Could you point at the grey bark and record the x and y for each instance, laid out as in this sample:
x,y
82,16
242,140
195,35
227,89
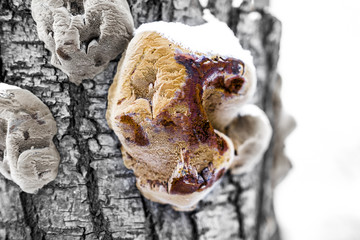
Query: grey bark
x,y
94,195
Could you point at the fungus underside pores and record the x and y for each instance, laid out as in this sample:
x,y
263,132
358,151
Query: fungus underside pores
x,y
181,111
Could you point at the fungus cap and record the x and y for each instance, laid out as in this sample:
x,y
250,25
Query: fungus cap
x,y
166,103
83,36
250,132
27,127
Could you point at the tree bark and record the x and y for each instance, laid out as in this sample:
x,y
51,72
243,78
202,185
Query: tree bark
x,y
94,195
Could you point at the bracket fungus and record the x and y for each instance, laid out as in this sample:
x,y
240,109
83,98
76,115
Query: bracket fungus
x,y
28,155
83,36
176,90
251,133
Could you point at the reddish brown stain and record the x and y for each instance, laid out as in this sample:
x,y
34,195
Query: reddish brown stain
x,y
225,74
190,183
12,128
202,73
36,117
167,121
120,101
138,136
63,55
186,184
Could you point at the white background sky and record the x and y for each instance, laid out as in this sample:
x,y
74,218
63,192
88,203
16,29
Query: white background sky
x,y
320,66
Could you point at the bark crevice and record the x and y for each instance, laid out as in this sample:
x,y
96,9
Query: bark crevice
x,y
150,224
79,100
31,217
194,224
237,204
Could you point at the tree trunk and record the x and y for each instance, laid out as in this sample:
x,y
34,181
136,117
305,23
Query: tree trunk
x,y
94,196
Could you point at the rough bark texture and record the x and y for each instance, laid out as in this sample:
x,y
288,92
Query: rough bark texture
x,y
94,195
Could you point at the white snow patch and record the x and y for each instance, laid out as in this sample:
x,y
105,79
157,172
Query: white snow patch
x,y
236,3
4,86
204,3
213,38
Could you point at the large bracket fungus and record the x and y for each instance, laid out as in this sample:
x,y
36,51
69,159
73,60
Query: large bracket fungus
x,y
178,91
27,153
83,36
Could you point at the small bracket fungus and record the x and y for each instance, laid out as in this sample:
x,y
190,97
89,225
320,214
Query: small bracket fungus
x,y
83,36
27,153
176,86
251,133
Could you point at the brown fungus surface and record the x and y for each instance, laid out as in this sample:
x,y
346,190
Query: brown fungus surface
x,y
162,105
